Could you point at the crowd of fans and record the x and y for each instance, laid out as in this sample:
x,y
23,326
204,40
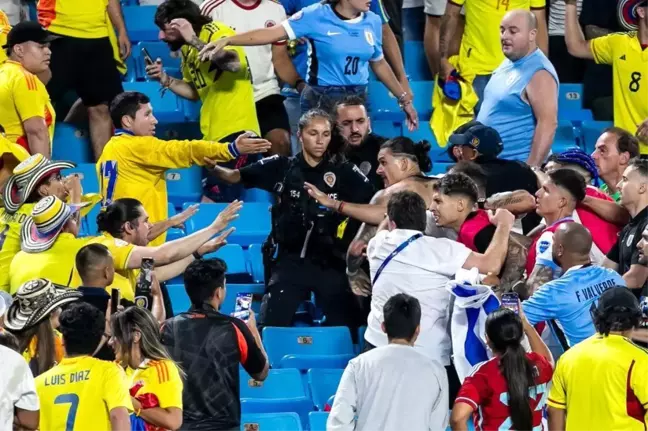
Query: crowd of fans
x,y
510,290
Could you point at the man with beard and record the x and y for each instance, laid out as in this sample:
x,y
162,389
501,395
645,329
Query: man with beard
x,y
354,133
401,164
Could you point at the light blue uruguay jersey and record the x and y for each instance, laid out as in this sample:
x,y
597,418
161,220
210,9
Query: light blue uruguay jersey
x,y
339,50
569,298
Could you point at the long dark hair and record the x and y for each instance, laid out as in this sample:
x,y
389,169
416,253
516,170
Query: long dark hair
x,y
113,218
417,151
505,332
45,355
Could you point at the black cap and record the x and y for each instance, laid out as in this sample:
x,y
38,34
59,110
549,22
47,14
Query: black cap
x,y
28,31
485,140
618,296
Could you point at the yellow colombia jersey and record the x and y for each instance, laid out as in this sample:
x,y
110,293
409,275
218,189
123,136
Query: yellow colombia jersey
x,y
135,167
10,239
79,393
227,97
159,378
481,49
609,394
630,78
22,96
55,264
75,18
124,278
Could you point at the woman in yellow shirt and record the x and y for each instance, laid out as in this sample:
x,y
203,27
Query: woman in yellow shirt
x,y
33,317
156,387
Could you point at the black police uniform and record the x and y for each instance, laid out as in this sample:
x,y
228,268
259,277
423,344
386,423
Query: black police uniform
x,y
310,238
625,252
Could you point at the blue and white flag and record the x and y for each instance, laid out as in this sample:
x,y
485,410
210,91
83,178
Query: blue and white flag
x,y
472,303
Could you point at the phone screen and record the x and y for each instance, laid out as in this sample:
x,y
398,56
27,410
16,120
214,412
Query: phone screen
x,y
243,305
147,57
511,301
114,301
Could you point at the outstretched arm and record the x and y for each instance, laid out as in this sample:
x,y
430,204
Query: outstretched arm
x,y
372,213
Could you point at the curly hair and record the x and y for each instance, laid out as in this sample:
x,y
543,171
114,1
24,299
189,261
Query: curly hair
x,y
458,184
82,326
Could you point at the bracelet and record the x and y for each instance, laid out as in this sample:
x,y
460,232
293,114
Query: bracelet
x,y
340,207
351,273
167,81
197,255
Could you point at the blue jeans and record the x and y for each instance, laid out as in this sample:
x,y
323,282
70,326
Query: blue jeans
x,y
479,85
325,98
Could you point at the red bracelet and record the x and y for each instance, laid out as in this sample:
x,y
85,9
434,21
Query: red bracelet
x,y
340,207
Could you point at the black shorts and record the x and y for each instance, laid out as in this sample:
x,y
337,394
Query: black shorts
x,y
85,66
272,114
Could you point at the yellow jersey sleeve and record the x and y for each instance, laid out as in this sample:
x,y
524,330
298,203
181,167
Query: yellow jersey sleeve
x,y
169,389
116,389
538,4
458,2
28,98
603,48
639,383
558,394
121,251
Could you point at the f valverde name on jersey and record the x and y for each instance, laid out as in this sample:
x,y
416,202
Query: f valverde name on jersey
x,y
326,32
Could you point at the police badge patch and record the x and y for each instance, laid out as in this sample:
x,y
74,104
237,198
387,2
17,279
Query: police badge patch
x,y
329,179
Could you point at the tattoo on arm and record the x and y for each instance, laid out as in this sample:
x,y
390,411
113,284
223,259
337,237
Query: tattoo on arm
x,y
514,264
197,43
541,274
504,201
365,233
593,31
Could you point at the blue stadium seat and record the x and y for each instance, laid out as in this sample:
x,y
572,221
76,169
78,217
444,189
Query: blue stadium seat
x,y
173,233
131,68
140,23
167,109
271,422
424,132
184,186
575,116
591,131
422,100
323,383
157,50
191,109
308,362
567,136
304,342
257,291
71,143
255,259
416,65
387,129
440,168
570,97
252,225
234,257
257,195
282,391
317,420
179,299
361,339
383,105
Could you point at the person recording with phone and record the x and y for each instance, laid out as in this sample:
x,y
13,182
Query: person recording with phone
x,y
568,298
509,390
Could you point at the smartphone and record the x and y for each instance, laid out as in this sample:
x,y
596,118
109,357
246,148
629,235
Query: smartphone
x,y
144,283
147,57
114,300
511,301
243,305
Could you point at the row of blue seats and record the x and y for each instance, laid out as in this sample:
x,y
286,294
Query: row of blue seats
x,y
282,421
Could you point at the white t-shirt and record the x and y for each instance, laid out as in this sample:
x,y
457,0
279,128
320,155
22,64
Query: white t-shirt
x,y
262,14
421,270
392,387
17,387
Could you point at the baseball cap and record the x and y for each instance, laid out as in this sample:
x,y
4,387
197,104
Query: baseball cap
x,y
618,297
485,140
28,31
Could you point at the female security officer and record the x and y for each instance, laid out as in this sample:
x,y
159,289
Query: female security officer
x,y
344,38
310,238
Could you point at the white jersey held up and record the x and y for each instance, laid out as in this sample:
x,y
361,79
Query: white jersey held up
x,y
242,18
